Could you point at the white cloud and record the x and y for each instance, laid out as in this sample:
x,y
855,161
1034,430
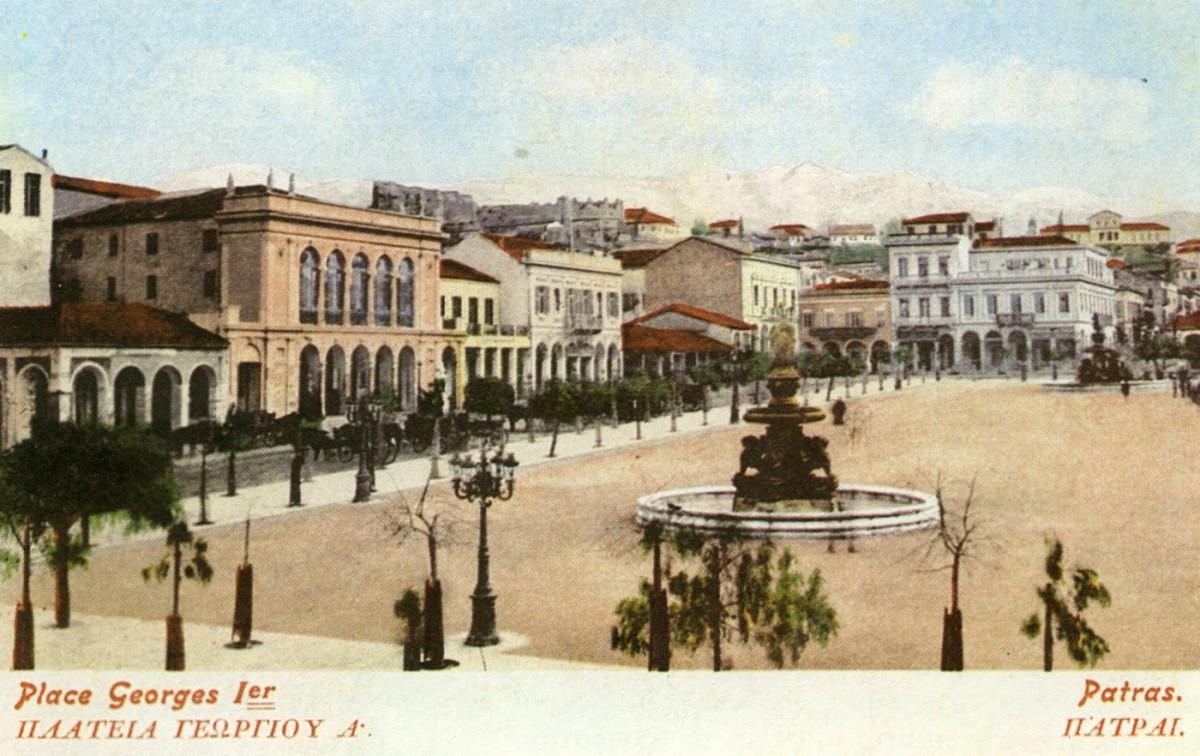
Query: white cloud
x,y
1017,94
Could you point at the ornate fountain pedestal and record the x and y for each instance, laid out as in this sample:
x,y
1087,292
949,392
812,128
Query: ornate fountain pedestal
x,y
786,461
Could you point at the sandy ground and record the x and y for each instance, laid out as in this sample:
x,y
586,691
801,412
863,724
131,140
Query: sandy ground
x,y
1111,477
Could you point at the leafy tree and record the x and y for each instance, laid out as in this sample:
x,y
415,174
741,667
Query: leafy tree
x,y
556,403
65,472
431,401
1064,606
739,592
196,568
489,396
1157,350
699,227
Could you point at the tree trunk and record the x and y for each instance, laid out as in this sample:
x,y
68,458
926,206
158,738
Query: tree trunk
x,y
243,605
553,438
175,655
23,621
62,564
1048,639
829,391
716,554
660,646
434,640
952,645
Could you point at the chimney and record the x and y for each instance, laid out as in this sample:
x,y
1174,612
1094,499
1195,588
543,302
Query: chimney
x,y
270,178
45,152
229,185
292,184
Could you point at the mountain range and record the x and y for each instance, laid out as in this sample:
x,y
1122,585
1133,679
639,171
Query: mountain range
x,y
811,194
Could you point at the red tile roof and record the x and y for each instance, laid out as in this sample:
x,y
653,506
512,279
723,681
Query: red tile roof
x,y
516,246
1188,321
193,206
852,229
985,225
728,223
1004,242
1191,245
698,313
454,269
1055,229
938,218
1144,227
102,188
642,215
636,258
859,284
636,338
791,229
108,324
1116,263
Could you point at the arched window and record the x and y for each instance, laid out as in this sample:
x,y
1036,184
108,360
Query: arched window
x,y
201,387
335,288
310,277
404,293
359,285
383,292
86,394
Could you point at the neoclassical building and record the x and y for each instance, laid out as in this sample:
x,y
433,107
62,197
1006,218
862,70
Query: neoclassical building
x,y
569,303
847,317
319,302
960,302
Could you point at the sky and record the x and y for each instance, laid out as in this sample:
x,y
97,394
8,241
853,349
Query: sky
x,y
992,96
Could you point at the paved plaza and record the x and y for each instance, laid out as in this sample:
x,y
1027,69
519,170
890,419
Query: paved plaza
x,y
1111,477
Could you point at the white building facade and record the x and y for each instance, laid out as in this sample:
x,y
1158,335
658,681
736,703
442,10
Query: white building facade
x,y
966,305
26,227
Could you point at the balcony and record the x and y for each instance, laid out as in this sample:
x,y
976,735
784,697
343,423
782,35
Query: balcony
x,y
581,323
842,333
1023,319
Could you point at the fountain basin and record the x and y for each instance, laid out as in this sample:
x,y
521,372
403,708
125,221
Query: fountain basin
x,y
864,511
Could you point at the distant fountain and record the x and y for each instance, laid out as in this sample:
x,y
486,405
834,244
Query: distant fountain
x,y
1103,364
784,487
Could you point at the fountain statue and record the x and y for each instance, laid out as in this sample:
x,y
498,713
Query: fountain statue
x,y
786,462
1102,365
784,488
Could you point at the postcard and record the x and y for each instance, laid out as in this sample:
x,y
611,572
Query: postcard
x,y
599,378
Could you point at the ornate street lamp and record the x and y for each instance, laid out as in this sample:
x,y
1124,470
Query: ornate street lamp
x,y
482,481
364,480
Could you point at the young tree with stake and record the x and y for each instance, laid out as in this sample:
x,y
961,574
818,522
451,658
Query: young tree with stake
x,y
1063,607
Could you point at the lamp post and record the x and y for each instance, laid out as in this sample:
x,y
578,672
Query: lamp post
x,y
482,481
364,480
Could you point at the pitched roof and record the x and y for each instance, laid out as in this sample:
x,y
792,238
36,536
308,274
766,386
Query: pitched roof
x,y
516,246
791,229
852,229
637,338
104,324
454,269
168,207
102,188
1116,262
698,313
938,218
1188,321
862,283
1191,245
637,258
727,223
1144,227
642,215
1056,228
1006,242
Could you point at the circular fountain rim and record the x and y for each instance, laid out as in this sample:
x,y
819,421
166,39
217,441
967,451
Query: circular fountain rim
x,y
915,510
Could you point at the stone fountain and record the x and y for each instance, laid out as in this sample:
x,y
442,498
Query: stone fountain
x,y
1102,364
784,487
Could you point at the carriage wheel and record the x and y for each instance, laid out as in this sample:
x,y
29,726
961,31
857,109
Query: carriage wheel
x,y
345,453
393,451
420,443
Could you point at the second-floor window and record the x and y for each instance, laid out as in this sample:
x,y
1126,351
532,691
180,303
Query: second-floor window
x,y
151,287
943,266
541,300
310,275
489,311
210,283
335,288
1039,303
944,307
33,194
969,305
152,244
473,310
383,292
854,319
360,278
902,267
923,267
1015,302
828,319
406,293
806,319
456,307
923,307
1064,302
902,306
5,192
613,307
991,304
